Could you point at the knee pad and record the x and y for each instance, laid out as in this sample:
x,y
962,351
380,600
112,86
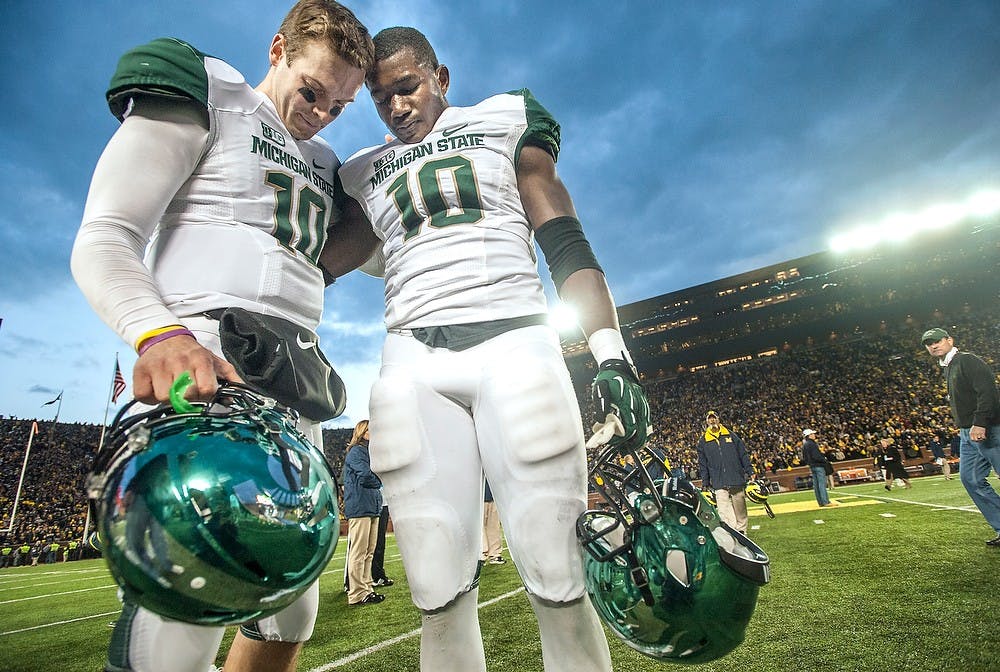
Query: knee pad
x,y
441,558
541,535
294,623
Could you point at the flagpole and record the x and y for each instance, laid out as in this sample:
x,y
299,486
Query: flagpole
x,y
86,529
107,406
100,443
24,468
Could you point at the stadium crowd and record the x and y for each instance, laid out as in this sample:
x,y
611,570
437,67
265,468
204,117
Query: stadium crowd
x,y
853,391
52,508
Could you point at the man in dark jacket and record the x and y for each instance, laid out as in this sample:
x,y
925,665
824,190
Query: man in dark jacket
x,y
813,458
725,470
975,408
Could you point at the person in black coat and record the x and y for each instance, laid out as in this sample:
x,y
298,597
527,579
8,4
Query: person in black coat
x,y
814,458
892,461
974,400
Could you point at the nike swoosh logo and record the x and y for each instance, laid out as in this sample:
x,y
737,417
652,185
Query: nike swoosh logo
x,y
452,131
303,345
317,166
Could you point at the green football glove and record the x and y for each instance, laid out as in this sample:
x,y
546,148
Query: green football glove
x,y
617,390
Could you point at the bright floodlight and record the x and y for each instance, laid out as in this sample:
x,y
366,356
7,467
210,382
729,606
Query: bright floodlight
x,y
983,203
900,226
563,318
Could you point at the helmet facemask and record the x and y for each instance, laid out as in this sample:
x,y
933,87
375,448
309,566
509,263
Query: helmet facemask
x,y
663,571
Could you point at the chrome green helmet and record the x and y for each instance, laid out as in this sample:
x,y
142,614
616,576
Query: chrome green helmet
x,y
216,514
667,576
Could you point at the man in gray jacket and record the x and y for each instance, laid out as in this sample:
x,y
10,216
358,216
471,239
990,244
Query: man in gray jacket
x,y
725,470
975,408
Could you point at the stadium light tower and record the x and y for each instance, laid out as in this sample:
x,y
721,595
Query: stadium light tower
x,y
901,226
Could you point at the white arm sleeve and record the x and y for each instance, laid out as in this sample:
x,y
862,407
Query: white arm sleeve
x,y
147,160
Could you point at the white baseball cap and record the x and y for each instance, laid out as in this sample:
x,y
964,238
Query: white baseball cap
x,y
808,432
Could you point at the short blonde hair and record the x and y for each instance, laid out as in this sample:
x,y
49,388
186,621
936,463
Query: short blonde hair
x,y
330,23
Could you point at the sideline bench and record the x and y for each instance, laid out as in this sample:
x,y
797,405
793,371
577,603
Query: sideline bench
x,y
850,475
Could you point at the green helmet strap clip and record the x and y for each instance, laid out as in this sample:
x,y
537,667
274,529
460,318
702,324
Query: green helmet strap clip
x,y
177,390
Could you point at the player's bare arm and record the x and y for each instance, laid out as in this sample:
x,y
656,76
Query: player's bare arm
x,y
349,243
545,198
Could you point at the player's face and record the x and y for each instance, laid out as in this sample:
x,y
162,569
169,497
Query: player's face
x,y
409,96
313,89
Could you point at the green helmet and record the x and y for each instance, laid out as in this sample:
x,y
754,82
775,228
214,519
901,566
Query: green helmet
x,y
217,514
667,576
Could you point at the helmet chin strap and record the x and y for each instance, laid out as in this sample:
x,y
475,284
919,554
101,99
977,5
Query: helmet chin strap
x,y
619,485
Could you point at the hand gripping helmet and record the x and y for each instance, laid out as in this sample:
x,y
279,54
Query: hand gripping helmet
x,y
756,492
667,576
215,513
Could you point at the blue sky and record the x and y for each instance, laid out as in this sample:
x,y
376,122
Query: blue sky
x,y
700,140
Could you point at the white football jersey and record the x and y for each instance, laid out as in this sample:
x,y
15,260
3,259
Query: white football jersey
x,y
458,246
247,227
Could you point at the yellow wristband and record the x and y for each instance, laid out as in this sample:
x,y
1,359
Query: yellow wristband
x,y
155,332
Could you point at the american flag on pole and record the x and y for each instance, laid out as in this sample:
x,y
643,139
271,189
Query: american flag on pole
x,y
118,385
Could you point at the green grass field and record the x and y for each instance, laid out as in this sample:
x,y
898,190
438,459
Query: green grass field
x,y
887,581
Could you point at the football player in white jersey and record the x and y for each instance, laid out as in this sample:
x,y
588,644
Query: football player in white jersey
x,y
214,194
473,380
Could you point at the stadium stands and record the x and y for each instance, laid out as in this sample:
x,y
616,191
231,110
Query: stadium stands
x,y
825,341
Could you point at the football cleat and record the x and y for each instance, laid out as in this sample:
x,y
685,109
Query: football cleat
x,y
665,574
213,513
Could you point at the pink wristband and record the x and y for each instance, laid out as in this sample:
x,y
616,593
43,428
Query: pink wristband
x,y
153,340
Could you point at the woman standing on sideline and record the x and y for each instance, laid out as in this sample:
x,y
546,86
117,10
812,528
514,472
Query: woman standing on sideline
x,y
893,460
362,506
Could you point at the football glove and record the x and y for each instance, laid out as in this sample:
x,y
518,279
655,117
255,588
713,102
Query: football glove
x,y
605,431
617,391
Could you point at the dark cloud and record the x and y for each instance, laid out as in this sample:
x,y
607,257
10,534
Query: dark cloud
x,y
41,389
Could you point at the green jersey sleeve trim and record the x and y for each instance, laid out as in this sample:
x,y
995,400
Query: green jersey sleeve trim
x,y
165,67
542,130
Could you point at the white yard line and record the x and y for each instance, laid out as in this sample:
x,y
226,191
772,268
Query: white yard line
x,y
941,507
68,592
389,559
9,576
97,577
396,640
49,625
